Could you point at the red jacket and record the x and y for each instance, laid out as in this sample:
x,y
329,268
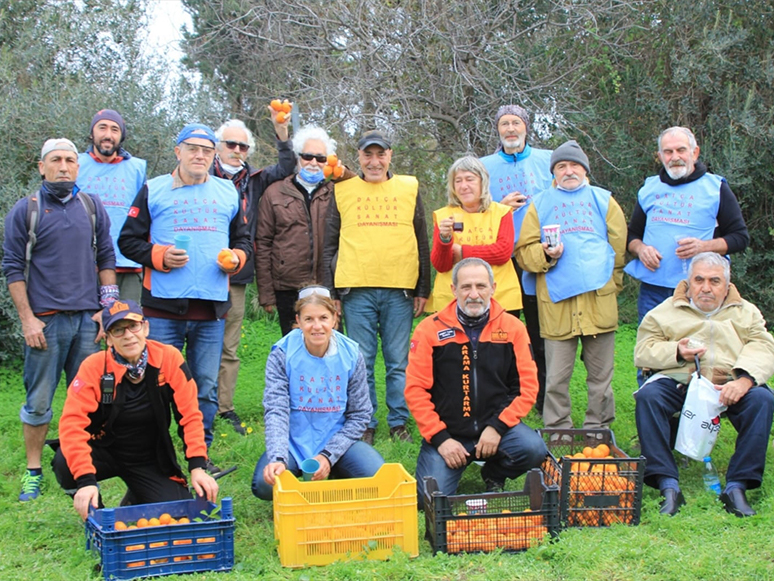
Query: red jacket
x,y
86,422
455,391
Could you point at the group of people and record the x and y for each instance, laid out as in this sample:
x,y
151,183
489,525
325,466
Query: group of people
x,y
524,231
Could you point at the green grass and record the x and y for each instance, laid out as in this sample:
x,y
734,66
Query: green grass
x,y
43,540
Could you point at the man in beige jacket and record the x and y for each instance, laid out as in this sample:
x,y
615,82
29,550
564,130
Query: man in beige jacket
x,y
577,282
707,318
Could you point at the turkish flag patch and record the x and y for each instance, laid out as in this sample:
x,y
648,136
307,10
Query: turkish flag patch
x,y
77,384
413,345
134,211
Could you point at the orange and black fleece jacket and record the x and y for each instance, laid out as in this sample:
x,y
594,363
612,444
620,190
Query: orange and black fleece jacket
x,y
454,390
87,422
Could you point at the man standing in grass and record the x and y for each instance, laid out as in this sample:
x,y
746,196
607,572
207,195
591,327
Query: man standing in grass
x,y
706,317
59,262
579,273
235,141
682,211
519,172
188,230
110,172
376,229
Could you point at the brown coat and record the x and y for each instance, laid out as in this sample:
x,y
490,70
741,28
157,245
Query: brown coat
x,y
289,238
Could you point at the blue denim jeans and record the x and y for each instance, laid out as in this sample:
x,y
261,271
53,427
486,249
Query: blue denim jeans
x,y
520,449
387,313
70,339
751,416
203,342
360,461
650,296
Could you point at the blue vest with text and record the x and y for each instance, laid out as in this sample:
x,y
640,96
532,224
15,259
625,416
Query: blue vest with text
x,y
529,174
675,212
204,212
588,258
318,391
116,185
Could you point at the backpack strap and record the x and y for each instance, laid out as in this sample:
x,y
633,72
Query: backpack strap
x,y
91,211
33,221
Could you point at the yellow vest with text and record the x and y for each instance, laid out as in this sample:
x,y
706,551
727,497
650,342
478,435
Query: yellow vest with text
x,y
479,229
377,242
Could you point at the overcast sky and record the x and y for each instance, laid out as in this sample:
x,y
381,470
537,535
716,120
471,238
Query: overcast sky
x,y
166,17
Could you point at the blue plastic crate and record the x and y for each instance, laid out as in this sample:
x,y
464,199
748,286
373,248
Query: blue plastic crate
x,y
204,545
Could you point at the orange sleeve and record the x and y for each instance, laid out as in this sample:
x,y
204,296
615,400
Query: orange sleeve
x,y
242,259
157,257
83,397
528,381
419,381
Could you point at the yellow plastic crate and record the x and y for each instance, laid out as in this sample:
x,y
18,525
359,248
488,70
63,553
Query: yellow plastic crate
x,y
317,523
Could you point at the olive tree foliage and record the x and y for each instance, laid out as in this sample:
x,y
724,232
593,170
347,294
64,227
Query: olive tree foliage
x,y
431,72
60,62
610,73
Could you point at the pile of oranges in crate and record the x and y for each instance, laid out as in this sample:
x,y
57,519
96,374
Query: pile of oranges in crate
x,y
590,475
164,519
509,531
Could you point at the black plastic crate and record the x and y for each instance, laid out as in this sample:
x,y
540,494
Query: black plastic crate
x,y
593,492
513,521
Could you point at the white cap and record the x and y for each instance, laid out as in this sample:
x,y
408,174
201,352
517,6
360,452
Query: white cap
x,y
58,143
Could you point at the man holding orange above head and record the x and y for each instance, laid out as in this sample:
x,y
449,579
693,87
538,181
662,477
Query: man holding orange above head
x,y
235,141
188,230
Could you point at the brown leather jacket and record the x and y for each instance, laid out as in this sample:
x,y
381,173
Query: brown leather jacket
x,y
289,238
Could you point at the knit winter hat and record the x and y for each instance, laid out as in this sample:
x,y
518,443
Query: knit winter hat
x,y
110,115
517,110
570,151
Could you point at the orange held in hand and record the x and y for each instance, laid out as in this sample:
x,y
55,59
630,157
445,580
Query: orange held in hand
x,y
332,167
227,259
283,109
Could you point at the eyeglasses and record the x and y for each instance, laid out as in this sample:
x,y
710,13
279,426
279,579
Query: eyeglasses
x,y
191,148
133,327
311,156
243,147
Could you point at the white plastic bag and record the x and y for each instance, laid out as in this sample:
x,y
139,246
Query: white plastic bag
x,y
700,419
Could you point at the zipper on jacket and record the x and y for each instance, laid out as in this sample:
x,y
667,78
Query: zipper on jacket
x,y
474,389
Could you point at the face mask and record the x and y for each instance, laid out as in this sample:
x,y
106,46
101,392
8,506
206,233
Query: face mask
x,y
230,169
60,189
311,177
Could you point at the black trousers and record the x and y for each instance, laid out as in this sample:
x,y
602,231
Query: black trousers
x,y
146,483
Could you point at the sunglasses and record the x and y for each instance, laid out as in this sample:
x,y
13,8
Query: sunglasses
x,y
311,156
133,327
243,147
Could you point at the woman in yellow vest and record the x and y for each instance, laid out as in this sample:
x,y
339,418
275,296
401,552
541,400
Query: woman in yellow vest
x,y
473,225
